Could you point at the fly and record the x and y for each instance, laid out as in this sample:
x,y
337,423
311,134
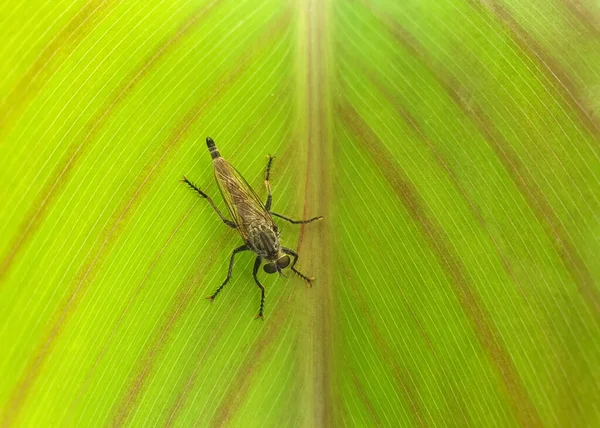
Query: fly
x,y
253,220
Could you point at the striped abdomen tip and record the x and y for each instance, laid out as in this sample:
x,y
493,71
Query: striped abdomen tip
x,y
212,148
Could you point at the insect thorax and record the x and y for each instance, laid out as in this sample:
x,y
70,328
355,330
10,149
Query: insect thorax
x,y
263,240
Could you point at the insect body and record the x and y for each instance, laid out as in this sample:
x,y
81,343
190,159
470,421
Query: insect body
x,y
252,219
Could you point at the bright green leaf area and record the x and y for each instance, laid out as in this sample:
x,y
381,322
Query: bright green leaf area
x,y
452,146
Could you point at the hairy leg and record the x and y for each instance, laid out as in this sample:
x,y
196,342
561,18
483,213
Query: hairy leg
x,y
237,250
267,184
297,221
262,289
294,254
210,201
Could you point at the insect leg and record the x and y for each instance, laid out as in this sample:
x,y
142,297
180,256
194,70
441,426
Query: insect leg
x,y
237,250
297,221
294,254
262,289
212,204
267,184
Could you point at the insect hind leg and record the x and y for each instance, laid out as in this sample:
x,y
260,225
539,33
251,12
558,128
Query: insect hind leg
x,y
210,201
294,254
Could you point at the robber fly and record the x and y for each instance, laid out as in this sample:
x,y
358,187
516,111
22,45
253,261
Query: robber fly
x,y
252,219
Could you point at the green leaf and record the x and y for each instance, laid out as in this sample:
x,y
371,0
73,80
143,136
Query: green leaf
x,y
452,146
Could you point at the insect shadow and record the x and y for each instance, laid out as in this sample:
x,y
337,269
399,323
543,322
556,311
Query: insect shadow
x,y
253,220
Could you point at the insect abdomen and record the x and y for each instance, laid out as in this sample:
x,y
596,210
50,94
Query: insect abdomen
x,y
212,148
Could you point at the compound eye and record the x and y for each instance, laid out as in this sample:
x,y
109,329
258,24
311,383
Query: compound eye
x,y
283,262
270,268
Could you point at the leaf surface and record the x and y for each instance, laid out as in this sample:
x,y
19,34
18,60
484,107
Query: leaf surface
x,y
452,146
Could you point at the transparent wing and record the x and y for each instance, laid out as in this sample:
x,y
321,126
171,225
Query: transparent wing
x,y
243,204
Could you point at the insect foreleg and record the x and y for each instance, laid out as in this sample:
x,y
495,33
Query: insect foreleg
x,y
267,184
237,250
210,201
294,254
262,289
297,221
